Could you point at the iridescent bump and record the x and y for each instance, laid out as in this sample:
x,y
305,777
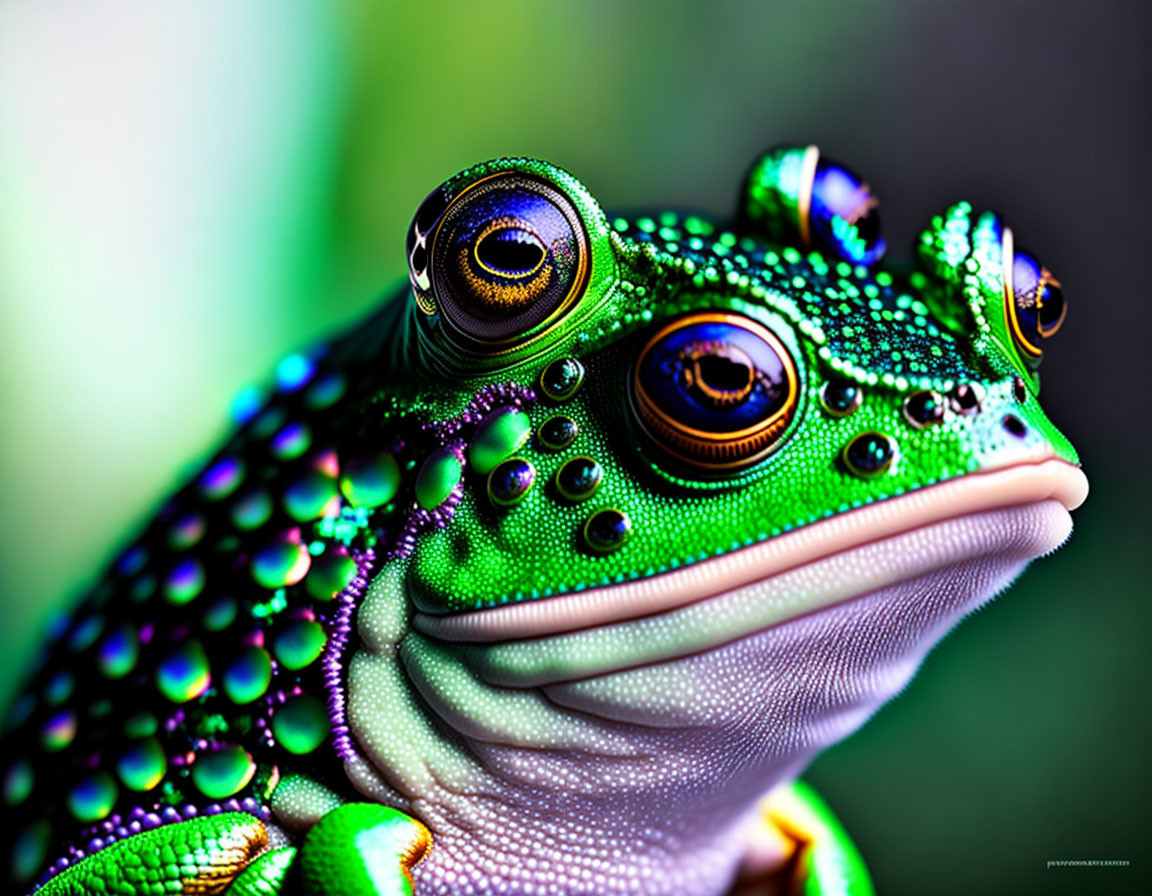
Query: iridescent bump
x,y
30,848
330,574
119,651
310,496
251,510
280,564
498,436
59,688
183,673
220,614
439,475
300,724
607,530
299,643
294,371
840,397
93,797
325,391
579,478
221,479
140,724
510,481
561,379
557,433
247,676
222,773
291,441
58,730
143,765
184,582
371,480
18,782
869,454
924,408
186,531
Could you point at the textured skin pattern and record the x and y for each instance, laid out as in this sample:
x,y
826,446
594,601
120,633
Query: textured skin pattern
x,y
481,442
193,857
267,875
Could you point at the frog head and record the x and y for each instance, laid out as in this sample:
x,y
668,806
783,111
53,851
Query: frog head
x,y
706,492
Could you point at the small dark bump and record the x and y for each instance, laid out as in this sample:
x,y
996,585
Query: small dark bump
x,y
579,478
1015,426
607,530
562,378
840,397
924,409
965,399
869,454
510,481
1019,390
557,433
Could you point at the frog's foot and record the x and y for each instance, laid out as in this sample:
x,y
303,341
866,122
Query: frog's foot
x,y
799,848
357,849
362,849
201,856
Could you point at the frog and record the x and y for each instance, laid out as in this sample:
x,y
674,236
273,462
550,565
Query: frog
x,y
554,573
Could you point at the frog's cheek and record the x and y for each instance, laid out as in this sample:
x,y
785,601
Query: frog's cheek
x,y
794,196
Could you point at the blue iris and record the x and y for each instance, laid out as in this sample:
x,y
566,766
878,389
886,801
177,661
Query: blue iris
x,y
714,376
843,215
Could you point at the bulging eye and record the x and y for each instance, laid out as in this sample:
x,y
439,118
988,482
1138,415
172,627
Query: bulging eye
x,y
714,390
842,214
504,259
1033,298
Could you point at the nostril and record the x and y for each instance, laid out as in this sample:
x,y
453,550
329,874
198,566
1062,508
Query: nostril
x,y
1015,426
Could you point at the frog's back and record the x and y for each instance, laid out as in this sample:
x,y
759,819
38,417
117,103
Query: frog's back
x,y
205,662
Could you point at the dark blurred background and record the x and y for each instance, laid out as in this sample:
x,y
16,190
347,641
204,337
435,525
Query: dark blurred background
x,y
188,192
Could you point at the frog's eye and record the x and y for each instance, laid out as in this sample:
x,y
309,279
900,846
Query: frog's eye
x,y
1033,299
793,194
714,390
500,261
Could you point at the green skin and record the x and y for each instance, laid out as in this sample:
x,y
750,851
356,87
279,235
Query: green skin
x,y
890,332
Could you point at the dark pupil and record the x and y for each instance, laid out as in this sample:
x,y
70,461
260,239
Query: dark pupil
x,y
721,377
511,251
1051,306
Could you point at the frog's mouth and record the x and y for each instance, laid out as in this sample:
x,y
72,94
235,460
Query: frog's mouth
x,y
1004,516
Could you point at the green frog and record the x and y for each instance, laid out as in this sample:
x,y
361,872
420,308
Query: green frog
x,y
553,574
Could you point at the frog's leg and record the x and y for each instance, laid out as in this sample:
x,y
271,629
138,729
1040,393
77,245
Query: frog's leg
x,y
794,197
355,849
200,856
809,846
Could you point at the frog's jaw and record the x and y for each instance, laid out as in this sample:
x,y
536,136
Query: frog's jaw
x,y
549,759
1014,485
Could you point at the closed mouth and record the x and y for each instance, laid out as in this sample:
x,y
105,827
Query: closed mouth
x,y
1018,512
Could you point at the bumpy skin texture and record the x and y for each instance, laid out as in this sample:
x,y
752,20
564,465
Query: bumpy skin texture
x,y
561,404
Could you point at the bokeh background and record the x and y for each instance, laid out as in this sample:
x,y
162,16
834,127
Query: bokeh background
x,y
190,190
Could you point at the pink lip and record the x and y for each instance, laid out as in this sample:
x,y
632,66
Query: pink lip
x,y
1049,480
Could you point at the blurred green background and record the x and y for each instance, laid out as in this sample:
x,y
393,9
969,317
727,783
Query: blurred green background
x,y
188,191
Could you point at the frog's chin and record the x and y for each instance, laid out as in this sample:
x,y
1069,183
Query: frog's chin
x,y
1006,516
